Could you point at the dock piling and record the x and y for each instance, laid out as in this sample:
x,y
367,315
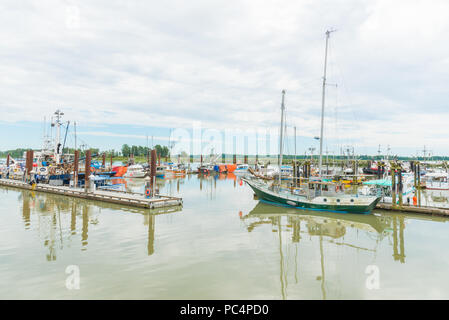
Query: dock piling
x,y
87,170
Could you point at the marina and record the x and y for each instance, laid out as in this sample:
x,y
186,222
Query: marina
x,y
247,151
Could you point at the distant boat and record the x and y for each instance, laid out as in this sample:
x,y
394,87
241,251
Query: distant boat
x,y
437,180
241,168
135,171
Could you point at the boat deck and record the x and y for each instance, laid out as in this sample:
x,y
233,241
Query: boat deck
x,y
119,197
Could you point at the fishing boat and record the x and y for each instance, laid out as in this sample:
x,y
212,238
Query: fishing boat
x,y
319,194
437,180
241,168
160,171
384,187
175,170
134,171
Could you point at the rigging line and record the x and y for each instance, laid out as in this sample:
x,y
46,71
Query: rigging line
x,y
356,119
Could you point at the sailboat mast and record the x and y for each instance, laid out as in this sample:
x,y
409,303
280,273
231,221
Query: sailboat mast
x,y
323,100
281,135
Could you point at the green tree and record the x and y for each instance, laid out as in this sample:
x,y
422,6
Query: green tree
x,y
126,150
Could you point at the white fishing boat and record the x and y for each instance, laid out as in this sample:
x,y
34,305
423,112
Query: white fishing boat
x,y
134,171
372,187
437,180
241,168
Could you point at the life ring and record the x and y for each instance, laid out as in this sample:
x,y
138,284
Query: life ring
x,y
147,192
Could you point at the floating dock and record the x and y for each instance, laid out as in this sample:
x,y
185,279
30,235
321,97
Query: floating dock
x,y
119,197
415,209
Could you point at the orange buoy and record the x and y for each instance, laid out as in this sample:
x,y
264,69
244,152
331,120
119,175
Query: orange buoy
x,y
148,192
415,201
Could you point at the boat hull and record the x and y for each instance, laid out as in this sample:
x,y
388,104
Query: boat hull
x,y
305,204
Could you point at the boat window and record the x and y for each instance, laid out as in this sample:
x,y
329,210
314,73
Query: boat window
x,y
325,200
338,200
352,200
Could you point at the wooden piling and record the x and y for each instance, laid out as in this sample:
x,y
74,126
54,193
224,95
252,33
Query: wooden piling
x,y
393,187
245,159
234,160
103,164
76,167
87,169
153,169
400,186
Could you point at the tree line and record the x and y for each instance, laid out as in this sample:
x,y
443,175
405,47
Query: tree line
x,y
137,151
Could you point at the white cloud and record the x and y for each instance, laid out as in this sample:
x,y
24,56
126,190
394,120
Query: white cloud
x,y
226,62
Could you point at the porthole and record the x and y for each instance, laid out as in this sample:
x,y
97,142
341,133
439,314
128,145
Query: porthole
x,y
338,200
325,200
352,200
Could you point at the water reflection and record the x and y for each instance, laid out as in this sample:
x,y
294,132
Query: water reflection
x,y
330,228
57,217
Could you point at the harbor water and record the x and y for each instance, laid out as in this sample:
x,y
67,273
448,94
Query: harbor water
x,y
222,244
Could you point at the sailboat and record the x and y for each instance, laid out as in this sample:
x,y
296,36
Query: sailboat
x,y
319,194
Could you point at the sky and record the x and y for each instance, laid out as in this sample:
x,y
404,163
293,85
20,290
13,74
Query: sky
x,y
125,70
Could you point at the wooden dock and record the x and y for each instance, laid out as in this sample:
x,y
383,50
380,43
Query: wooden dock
x,y
118,197
414,209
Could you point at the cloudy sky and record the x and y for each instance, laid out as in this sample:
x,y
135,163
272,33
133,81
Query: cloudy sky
x,y
127,69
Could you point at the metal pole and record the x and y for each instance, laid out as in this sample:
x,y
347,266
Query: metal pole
x,y
282,135
322,102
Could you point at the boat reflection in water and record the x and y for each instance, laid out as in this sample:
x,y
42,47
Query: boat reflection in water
x,y
63,219
330,228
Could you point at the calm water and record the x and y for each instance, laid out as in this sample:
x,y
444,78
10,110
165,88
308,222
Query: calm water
x,y
222,244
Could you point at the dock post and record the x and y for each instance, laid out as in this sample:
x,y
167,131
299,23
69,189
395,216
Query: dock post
x,y
234,161
223,157
400,186
87,170
393,187
29,165
201,159
257,158
245,159
111,160
414,175
418,173
191,158
103,164
76,167
153,172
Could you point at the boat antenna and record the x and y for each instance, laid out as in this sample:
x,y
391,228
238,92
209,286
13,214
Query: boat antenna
x,y
328,32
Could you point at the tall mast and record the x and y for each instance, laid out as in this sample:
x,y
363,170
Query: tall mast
x,y
282,135
59,115
328,32
295,142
